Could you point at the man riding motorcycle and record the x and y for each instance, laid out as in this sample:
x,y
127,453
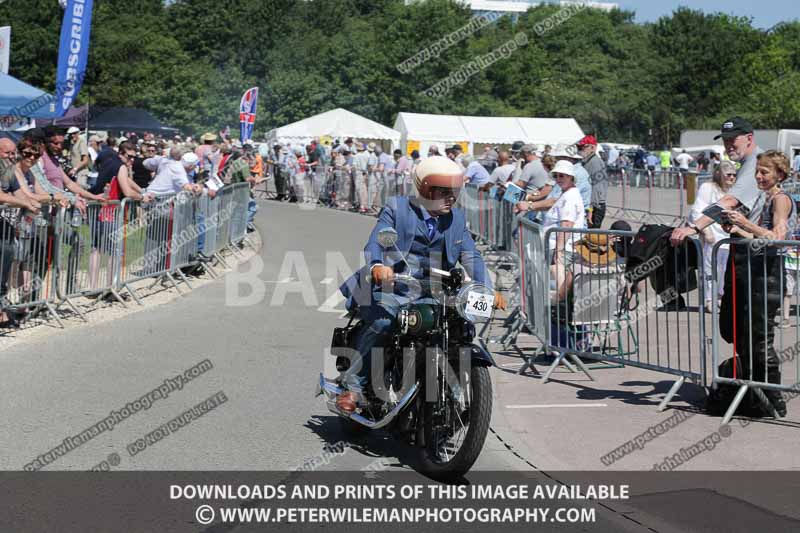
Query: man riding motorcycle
x,y
431,234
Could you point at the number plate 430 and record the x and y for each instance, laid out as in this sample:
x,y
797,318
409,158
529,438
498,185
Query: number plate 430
x,y
479,304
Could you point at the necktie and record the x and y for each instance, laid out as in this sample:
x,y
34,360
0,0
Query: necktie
x,y
431,228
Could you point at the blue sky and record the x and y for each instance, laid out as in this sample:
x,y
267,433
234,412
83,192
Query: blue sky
x,y
766,13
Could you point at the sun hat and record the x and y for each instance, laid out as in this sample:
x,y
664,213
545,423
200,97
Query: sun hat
x,y
563,167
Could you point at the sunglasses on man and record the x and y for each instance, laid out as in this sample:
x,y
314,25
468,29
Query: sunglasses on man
x,y
445,192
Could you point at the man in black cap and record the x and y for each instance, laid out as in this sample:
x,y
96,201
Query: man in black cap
x,y
742,320
458,153
737,135
517,159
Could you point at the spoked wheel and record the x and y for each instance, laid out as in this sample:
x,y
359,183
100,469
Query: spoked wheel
x,y
455,431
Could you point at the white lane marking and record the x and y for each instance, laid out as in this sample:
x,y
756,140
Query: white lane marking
x,y
326,281
331,305
556,406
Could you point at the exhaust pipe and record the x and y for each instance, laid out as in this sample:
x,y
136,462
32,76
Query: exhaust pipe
x,y
332,390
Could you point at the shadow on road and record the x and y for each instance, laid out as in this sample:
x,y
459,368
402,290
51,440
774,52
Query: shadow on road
x,y
370,444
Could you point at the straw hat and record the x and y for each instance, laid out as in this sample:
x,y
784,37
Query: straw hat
x,y
596,250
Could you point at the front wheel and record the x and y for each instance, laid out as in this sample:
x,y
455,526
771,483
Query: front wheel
x,y
454,433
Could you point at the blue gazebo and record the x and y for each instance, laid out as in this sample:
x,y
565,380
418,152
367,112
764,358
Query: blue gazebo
x,y
19,99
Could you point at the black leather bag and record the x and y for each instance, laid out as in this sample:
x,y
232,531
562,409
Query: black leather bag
x,y
343,344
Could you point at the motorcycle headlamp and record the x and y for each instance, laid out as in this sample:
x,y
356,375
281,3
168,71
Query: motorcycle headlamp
x,y
463,298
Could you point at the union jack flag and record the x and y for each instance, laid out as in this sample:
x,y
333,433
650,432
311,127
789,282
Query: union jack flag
x,y
247,113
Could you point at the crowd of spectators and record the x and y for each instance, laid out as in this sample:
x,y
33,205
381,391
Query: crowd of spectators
x,y
50,168
347,174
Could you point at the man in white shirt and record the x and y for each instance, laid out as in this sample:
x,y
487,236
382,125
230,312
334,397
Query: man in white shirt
x,y
613,157
475,174
684,160
171,172
386,166
361,169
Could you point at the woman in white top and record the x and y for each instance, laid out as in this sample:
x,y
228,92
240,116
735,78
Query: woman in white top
x,y
708,194
567,212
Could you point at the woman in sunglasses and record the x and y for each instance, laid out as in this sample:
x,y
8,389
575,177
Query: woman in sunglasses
x,y
31,252
709,194
30,150
567,212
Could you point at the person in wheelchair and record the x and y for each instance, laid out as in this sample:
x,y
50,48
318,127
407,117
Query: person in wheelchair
x,y
431,234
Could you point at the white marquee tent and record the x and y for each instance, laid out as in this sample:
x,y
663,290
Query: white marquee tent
x,y
336,123
420,131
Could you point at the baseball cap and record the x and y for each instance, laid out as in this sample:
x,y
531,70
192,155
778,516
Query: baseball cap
x,y
189,159
588,140
517,146
733,127
456,148
528,148
72,130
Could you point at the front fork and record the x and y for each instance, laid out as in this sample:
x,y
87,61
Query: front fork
x,y
439,373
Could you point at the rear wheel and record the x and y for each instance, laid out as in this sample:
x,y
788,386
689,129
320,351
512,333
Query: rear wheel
x,y
455,432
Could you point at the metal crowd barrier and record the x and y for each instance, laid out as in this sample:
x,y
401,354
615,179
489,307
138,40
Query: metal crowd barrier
x,y
761,287
224,199
468,202
52,259
208,221
89,253
490,220
28,260
186,228
534,276
588,309
656,184
240,198
148,231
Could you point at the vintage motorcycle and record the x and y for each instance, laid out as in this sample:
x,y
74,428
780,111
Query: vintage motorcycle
x,y
436,393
